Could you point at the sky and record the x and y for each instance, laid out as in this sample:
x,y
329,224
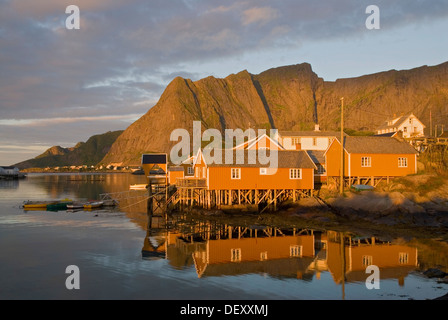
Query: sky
x,y
59,85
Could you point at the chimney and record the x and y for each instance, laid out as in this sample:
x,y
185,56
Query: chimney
x,y
298,146
316,127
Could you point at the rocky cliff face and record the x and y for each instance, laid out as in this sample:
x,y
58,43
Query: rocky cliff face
x,y
288,98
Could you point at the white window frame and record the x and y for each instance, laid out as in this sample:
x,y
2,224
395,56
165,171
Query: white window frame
x,y
403,258
295,174
366,162
402,162
263,255
235,254
295,250
314,141
263,171
295,141
320,169
235,173
367,260
190,171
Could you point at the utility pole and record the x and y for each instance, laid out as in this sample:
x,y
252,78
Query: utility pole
x,y
341,182
430,122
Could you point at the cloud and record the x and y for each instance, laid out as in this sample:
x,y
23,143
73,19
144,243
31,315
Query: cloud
x,y
259,15
127,51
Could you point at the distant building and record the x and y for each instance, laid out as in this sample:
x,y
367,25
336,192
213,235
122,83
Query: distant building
x,y
9,170
408,124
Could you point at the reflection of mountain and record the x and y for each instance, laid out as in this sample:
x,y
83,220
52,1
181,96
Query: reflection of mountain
x,y
222,250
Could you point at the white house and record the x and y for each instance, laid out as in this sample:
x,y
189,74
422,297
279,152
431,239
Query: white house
x,y
408,124
314,142
9,171
307,140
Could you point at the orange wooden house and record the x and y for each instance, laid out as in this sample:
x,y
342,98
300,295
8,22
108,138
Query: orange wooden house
x,y
294,170
371,157
257,172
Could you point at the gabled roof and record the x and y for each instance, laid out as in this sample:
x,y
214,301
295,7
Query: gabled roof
x,y
389,134
318,156
398,121
251,158
376,144
262,136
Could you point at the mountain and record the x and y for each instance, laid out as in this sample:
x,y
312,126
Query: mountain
x,y
289,98
84,153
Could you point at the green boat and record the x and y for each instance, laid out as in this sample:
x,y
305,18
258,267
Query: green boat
x,y
62,205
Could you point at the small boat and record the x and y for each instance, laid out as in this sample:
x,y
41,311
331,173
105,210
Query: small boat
x,y
42,204
75,205
60,205
30,204
93,204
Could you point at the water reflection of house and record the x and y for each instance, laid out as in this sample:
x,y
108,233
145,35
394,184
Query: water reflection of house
x,y
270,251
223,250
351,257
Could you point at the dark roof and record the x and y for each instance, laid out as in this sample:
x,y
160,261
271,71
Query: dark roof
x,y
310,133
389,134
318,156
8,167
376,144
154,158
251,158
175,168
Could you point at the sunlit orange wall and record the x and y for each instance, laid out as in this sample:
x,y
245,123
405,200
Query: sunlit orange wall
x,y
173,175
251,248
220,178
381,164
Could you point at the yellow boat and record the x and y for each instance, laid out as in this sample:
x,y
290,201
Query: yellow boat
x,y
93,204
40,204
37,204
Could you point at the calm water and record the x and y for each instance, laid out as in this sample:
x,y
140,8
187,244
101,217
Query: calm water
x,y
119,257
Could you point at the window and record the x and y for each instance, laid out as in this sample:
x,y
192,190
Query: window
x,y
405,129
236,173
320,169
190,170
366,162
263,171
403,258
402,162
295,141
314,141
366,260
263,255
295,251
235,255
295,173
